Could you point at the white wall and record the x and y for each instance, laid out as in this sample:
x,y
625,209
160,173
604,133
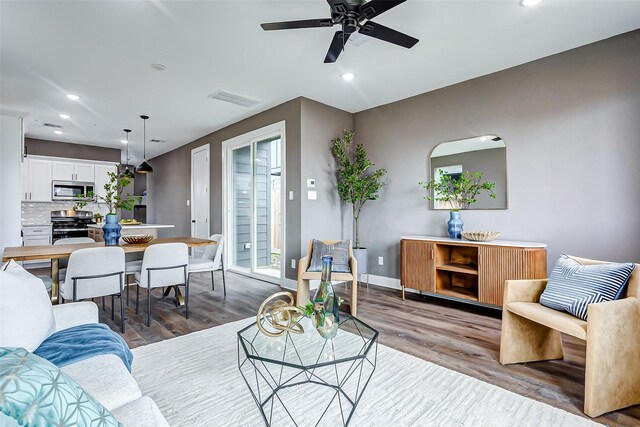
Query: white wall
x,y
11,135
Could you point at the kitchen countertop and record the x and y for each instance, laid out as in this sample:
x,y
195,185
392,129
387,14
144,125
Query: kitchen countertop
x,y
135,226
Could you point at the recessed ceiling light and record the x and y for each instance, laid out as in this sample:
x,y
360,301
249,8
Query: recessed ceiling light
x,y
124,141
158,67
527,3
57,132
64,116
348,76
73,97
484,138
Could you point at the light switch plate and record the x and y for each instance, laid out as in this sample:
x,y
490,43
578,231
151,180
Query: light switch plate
x,y
380,260
290,195
293,264
312,195
311,183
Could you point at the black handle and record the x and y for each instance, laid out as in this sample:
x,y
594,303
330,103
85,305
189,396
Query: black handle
x,y
193,221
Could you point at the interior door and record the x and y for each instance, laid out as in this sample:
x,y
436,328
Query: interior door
x,y
200,227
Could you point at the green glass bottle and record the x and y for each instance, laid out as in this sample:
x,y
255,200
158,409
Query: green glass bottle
x,y
325,303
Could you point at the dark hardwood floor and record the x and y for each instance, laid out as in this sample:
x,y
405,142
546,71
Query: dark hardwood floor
x,y
457,336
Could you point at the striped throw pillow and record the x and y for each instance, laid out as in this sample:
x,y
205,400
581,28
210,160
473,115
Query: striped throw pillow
x,y
339,251
573,286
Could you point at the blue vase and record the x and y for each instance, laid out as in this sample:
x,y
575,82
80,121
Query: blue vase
x,y
111,230
455,225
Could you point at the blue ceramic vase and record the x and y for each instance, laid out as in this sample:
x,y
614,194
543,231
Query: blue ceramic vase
x,y
455,225
111,230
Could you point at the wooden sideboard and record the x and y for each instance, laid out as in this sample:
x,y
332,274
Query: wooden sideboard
x,y
465,270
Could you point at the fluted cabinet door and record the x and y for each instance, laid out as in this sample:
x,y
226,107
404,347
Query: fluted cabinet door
x,y
418,269
497,264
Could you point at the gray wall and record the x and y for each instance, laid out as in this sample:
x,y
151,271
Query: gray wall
x,y
169,186
493,165
325,218
41,147
572,127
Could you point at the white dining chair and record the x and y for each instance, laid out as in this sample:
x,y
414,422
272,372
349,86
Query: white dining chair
x,y
95,272
212,260
163,264
62,262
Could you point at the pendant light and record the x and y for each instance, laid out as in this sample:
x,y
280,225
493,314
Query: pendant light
x,y
127,173
144,167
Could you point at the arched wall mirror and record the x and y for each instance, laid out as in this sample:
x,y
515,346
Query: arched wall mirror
x,y
486,154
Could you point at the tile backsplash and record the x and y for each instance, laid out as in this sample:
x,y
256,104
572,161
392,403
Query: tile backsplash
x,y
34,213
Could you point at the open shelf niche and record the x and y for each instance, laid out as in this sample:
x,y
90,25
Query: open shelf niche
x,y
457,271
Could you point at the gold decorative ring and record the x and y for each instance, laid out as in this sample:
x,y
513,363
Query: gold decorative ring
x,y
279,315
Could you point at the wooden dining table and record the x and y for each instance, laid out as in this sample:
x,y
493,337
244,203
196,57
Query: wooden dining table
x,y
55,252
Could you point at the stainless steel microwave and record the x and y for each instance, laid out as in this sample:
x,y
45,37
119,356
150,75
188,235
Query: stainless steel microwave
x,y
71,190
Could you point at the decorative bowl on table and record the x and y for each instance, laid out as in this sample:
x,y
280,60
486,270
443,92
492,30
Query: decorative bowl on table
x,y
137,239
481,236
129,222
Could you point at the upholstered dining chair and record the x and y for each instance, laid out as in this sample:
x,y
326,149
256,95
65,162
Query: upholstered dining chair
x,y
211,260
163,264
305,276
531,332
95,272
62,262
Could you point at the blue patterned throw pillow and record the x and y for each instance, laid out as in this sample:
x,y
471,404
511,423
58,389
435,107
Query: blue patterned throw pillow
x,y
339,251
573,286
34,392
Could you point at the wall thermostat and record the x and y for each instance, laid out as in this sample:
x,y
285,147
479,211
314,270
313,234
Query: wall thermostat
x,y
311,183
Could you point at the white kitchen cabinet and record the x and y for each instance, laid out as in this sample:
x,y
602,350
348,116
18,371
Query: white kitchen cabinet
x,y
63,171
85,172
36,180
72,171
36,235
102,177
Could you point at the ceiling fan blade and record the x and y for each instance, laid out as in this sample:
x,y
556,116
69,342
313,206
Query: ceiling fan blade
x,y
337,45
290,25
374,8
381,32
339,6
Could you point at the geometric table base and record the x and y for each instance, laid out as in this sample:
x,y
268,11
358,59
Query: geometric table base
x,y
326,393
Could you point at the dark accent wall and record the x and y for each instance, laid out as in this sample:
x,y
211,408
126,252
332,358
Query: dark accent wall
x,y
571,123
41,147
169,187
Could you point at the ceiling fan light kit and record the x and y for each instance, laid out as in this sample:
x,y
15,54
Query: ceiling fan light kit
x,y
352,16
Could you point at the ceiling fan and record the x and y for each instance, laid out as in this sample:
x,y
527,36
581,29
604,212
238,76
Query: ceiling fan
x,y
352,15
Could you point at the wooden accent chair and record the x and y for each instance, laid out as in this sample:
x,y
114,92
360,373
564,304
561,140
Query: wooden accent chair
x,y
531,332
304,276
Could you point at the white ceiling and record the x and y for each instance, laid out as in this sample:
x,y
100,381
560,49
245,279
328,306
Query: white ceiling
x,y
102,51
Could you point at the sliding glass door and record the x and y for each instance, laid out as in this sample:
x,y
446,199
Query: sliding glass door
x,y
254,205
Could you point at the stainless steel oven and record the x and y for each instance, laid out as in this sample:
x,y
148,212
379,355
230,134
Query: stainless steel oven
x,y
71,190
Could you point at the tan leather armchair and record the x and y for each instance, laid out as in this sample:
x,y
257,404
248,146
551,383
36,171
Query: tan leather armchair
x,y
531,332
304,276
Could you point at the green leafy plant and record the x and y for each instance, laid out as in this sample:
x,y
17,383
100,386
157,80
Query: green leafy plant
x,y
114,195
460,192
357,182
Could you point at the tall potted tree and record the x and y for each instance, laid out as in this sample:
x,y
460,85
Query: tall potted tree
x,y
357,183
115,199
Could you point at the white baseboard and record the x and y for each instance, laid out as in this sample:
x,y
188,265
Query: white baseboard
x,y
385,282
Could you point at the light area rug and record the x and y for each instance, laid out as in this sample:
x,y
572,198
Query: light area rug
x,y
195,381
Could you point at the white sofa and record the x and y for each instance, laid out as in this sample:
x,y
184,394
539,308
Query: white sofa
x,y
105,377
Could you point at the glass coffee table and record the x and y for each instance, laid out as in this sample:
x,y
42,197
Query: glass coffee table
x,y
303,379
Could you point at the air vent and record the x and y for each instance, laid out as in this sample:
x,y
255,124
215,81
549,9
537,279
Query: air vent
x,y
157,141
52,125
234,99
